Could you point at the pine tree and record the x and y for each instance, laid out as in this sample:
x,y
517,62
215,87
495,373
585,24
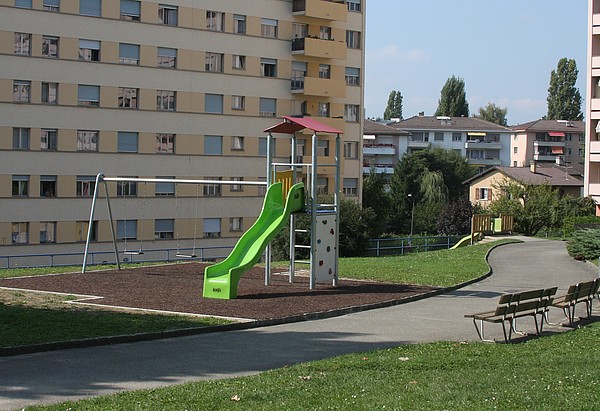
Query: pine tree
x,y
564,99
394,106
453,99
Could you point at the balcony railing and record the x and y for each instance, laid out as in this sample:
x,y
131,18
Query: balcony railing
x,y
379,149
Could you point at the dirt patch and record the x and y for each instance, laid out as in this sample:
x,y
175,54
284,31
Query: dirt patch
x,y
178,288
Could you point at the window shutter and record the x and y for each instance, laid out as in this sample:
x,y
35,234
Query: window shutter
x,y
477,192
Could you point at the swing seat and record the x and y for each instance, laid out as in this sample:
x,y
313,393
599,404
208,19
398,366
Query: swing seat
x,y
186,255
133,252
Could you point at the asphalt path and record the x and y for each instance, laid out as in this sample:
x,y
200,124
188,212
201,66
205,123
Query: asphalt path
x,y
73,374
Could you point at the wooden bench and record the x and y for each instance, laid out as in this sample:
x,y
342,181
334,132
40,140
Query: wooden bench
x,y
578,293
510,307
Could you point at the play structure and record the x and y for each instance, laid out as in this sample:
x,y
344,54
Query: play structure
x,y
291,188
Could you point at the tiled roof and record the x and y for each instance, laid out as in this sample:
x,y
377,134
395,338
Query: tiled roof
x,y
555,176
551,126
455,123
375,128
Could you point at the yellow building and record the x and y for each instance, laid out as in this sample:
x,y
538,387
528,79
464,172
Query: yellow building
x,y
179,90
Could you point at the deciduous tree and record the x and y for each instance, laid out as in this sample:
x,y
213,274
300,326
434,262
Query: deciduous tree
x,y
453,99
394,106
564,99
493,114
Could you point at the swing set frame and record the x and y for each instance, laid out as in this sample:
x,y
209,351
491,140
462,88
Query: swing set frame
x,y
101,178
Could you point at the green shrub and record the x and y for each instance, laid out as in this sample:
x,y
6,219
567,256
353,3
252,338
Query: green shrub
x,y
585,244
572,224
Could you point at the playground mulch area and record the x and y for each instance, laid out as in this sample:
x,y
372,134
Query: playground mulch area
x,y
178,288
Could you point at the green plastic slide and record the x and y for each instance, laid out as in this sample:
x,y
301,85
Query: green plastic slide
x,y
221,279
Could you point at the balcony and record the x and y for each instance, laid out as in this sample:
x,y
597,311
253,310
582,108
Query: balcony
x,y
545,157
379,149
321,87
418,143
485,161
542,143
320,9
595,104
483,145
319,48
596,62
594,189
379,169
594,147
596,20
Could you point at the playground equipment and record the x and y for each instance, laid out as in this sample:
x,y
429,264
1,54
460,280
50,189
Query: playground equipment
x,y
284,198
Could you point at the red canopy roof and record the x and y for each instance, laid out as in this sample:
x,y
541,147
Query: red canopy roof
x,y
290,125
556,134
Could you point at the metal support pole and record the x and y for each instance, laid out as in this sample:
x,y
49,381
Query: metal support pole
x,y
337,206
112,228
99,177
313,213
292,273
269,182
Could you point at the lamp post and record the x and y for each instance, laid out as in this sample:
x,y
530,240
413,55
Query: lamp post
x,y
412,214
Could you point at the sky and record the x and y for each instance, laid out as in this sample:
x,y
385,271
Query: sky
x,y
504,50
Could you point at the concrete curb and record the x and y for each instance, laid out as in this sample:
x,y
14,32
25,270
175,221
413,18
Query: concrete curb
x,y
122,339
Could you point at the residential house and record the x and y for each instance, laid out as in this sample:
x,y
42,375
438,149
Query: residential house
x,y
483,143
548,141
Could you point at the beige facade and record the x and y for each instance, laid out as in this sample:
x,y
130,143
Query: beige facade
x,y
592,106
146,89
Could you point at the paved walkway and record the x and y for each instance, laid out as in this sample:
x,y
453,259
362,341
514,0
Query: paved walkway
x,y
80,373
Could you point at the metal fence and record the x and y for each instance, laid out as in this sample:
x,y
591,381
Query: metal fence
x,y
108,257
380,247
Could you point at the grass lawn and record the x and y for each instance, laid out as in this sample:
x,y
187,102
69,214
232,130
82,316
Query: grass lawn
x,y
549,373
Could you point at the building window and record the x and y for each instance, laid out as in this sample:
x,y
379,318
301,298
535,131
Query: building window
x,y
352,76
323,110
239,24
165,143
323,148
81,228
268,107
88,95
420,136
237,187
128,97
50,46
515,163
324,71
268,28
126,229
213,145
127,142
89,50
165,100
215,20
22,44
86,185
213,103
438,136
126,188
130,10
47,232
353,5
211,227
48,139
238,102
515,150
213,62
353,39
87,140
50,93
51,5
164,229
21,138
298,108
167,14
350,186
351,150
20,233
212,190
21,91
167,57
237,143
484,194
236,224
298,74
351,112
129,53
322,185
90,7
239,62
262,146
325,33
456,136
20,186
164,188
268,67
47,186
26,4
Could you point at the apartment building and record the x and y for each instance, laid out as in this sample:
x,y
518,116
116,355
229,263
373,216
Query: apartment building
x,y
181,89
484,144
548,141
382,145
592,106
